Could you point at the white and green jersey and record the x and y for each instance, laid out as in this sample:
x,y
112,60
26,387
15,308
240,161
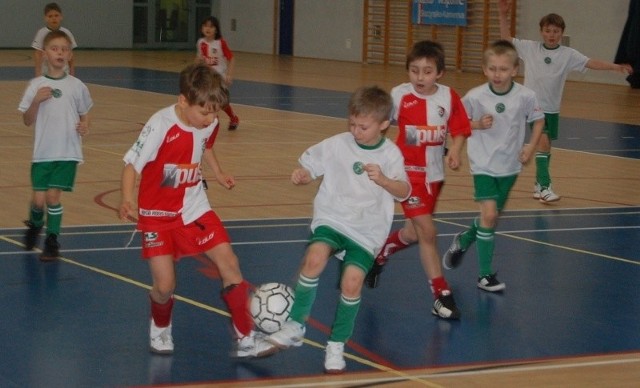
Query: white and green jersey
x,y
546,70
495,151
56,136
347,200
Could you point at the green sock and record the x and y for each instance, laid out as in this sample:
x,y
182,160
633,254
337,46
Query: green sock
x,y
542,169
345,319
54,219
469,236
305,295
36,216
485,245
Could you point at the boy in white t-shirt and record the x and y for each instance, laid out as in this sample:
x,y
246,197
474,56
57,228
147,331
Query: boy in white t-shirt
x,y
546,67
500,111
57,105
362,174
52,20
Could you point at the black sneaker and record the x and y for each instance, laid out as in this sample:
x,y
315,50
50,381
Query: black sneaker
x,y
453,256
373,277
51,249
490,283
445,306
31,235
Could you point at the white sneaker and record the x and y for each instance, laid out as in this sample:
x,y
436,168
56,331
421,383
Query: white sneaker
x,y
291,334
253,345
536,191
334,358
547,195
160,339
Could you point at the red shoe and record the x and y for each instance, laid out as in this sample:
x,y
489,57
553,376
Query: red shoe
x,y
233,124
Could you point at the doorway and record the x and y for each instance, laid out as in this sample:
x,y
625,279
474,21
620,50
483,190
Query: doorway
x,y
285,26
171,24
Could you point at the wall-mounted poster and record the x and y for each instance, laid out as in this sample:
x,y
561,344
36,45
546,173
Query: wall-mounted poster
x,y
448,12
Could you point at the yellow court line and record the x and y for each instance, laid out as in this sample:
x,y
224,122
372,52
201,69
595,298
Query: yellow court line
x,y
224,313
566,248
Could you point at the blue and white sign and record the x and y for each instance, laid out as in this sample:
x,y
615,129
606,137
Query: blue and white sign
x,y
448,12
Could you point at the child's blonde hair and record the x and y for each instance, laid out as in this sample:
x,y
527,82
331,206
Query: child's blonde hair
x,y
501,47
371,100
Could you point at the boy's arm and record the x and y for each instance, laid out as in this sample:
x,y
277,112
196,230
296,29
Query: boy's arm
x,y
72,65
504,8
453,155
83,125
30,115
127,188
211,160
301,176
597,64
529,149
38,56
397,188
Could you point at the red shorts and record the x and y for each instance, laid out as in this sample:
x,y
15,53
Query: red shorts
x,y
421,201
186,240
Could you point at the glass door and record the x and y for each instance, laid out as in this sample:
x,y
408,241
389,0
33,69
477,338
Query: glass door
x,y
168,23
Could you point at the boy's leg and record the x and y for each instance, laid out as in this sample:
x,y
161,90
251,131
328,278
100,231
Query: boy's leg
x,y
161,302
543,190
315,260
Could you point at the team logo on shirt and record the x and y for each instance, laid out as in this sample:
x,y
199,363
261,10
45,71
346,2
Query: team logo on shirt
x,y
500,107
56,93
441,111
547,60
425,134
358,167
176,175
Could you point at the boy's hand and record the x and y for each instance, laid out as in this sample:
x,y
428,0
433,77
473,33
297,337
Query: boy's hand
x,y
226,181
126,211
526,153
82,127
453,159
374,172
486,121
300,176
624,68
44,93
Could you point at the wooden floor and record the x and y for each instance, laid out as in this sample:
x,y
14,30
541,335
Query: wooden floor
x,y
264,150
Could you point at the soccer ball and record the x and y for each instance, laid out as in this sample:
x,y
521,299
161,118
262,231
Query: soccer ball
x,y
270,306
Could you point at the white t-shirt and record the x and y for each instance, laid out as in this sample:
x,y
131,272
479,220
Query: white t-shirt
x,y
56,137
347,200
495,151
167,155
546,70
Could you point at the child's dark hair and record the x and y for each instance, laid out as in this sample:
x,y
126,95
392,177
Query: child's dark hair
x,y
214,21
552,19
427,49
53,35
201,85
371,100
52,7
501,47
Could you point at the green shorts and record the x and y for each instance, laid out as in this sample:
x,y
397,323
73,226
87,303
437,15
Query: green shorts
x,y
491,188
53,175
551,125
354,254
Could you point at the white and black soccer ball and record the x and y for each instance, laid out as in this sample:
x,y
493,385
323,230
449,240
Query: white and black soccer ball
x,y
270,306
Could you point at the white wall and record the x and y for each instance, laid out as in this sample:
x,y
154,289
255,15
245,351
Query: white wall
x,y
321,27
